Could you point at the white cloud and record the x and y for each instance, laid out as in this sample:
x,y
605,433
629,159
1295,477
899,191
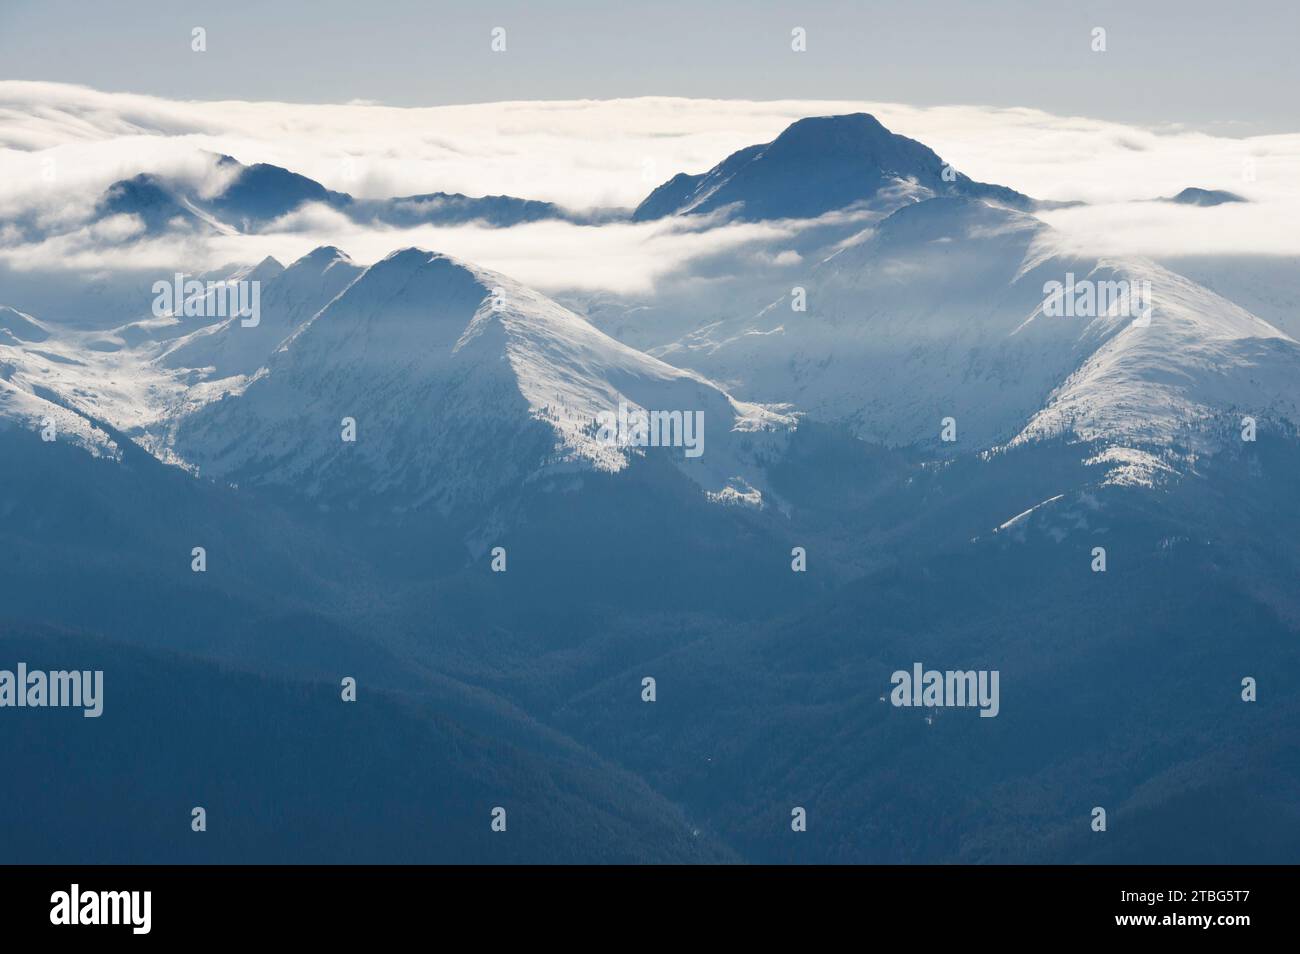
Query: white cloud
x,y
61,145
551,256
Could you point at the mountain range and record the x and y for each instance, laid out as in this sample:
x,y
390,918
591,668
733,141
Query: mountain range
x,y
909,411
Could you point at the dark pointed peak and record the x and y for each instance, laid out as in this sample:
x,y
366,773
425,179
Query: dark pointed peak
x,y
1205,197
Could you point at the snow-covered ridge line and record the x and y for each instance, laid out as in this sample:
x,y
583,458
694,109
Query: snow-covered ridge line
x,y
460,382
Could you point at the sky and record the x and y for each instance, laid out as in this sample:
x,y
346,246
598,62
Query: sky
x,y
1225,67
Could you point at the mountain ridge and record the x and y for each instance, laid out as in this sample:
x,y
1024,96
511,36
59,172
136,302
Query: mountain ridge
x,y
818,165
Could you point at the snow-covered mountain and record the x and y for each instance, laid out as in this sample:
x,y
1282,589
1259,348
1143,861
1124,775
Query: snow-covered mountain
x,y
1265,285
91,380
16,327
21,409
822,357
941,312
461,383
180,316
34,364
287,299
1201,358
819,165
938,310
252,197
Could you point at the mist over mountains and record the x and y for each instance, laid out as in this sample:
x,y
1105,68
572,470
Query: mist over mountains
x,y
427,476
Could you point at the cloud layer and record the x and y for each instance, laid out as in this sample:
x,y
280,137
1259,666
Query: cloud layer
x,y
61,145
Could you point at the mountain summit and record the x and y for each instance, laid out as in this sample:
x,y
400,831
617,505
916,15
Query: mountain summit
x,y
941,310
462,384
818,165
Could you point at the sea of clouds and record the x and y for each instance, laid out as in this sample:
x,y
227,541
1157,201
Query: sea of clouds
x,y
62,145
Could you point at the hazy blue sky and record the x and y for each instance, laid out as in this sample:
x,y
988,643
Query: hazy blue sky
x,y
1207,64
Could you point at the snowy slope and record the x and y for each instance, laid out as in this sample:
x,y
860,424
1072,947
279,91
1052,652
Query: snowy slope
x,y
29,397
80,376
287,299
23,410
173,324
76,379
17,326
1265,285
462,383
1201,357
939,313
